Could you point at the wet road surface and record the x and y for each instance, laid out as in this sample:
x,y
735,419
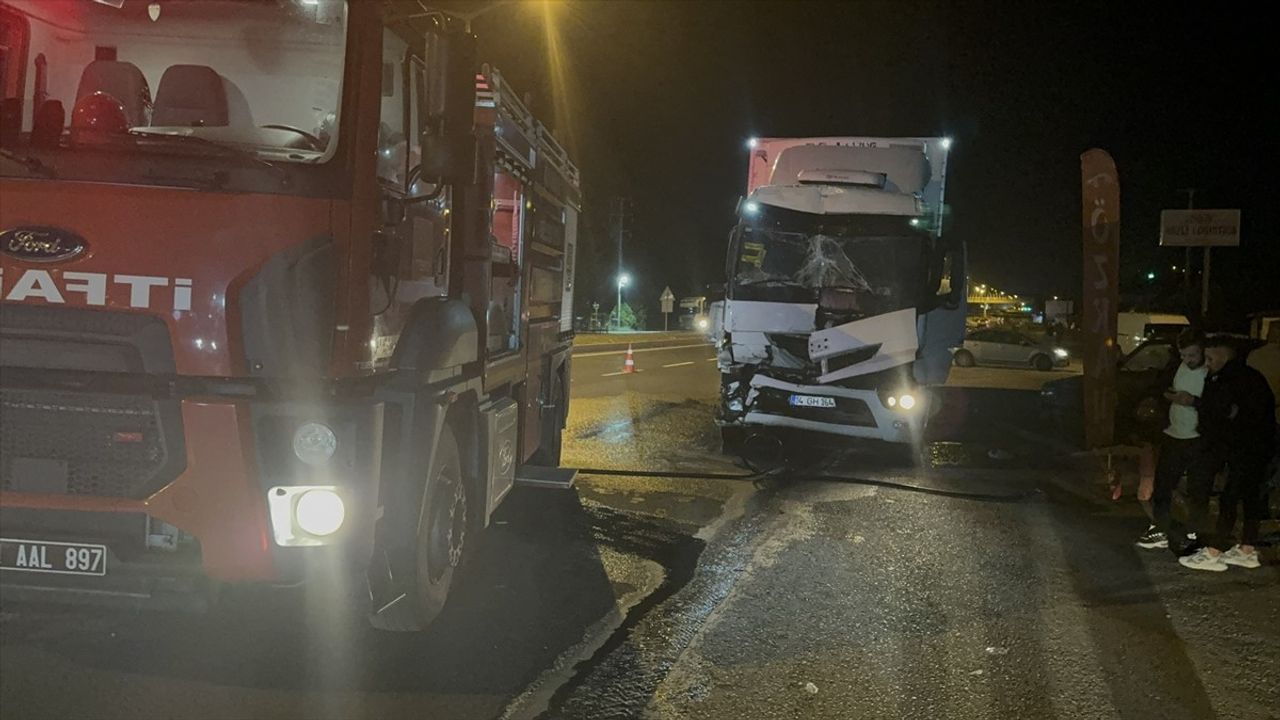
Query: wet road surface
x,y
789,597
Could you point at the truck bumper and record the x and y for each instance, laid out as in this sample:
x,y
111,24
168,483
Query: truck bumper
x,y
153,583
218,502
858,413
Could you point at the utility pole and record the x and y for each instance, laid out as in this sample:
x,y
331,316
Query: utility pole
x,y
619,220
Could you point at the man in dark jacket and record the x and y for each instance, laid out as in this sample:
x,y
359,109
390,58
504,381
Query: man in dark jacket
x,y
1237,420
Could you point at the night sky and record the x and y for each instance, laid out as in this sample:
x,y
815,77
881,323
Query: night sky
x,y
661,97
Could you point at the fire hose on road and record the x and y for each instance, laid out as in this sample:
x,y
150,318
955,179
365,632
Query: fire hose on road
x,y
816,473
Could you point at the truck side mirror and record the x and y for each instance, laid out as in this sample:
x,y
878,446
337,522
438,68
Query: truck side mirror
x,y
447,107
393,210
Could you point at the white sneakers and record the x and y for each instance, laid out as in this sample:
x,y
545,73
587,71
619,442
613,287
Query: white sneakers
x,y
1202,560
1239,558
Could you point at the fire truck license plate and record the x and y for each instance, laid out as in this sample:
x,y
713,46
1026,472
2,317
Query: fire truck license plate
x,y
815,401
53,557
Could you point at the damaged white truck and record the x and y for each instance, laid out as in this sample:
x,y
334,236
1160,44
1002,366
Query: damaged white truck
x,y
843,300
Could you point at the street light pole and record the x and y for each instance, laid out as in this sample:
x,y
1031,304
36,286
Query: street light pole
x,y
623,280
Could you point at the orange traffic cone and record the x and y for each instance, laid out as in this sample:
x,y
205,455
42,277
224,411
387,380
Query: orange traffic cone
x,y
629,365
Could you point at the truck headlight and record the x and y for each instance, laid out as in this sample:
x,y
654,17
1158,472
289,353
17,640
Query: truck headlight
x,y
897,400
314,443
306,515
703,324
320,512
1059,352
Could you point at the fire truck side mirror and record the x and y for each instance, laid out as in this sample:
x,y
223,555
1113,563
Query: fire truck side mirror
x,y
393,210
448,98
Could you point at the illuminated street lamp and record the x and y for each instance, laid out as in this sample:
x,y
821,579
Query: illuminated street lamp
x,y
623,281
467,16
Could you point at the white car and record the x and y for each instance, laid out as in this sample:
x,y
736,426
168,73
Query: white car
x,y
997,346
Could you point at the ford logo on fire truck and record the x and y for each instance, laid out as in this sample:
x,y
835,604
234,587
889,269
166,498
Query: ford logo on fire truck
x,y
41,244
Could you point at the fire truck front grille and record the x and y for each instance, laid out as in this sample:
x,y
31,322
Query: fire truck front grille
x,y
72,443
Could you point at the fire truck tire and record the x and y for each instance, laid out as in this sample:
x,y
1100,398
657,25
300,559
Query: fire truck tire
x,y
442,539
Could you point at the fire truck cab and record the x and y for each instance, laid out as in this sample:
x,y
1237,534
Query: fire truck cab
x,y
285,296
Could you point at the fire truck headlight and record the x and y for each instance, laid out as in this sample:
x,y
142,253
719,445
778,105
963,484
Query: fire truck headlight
x,y
314,443
906,401
320,512
306,515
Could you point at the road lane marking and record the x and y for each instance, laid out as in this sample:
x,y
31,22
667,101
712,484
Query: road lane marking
x,y
638,350
678,364
620,372
712,359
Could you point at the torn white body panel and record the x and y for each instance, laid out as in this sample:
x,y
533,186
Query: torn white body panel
x,y
748,321
892,334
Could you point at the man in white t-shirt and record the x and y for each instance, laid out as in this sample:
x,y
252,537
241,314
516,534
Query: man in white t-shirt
x,y
1182,451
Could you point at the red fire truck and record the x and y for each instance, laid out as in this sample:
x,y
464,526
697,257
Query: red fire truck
x,y
285,293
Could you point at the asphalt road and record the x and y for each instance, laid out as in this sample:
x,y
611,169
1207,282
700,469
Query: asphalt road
x,y
790,597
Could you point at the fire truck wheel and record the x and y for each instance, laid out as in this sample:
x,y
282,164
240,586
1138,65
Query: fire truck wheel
x,y
442,539
442,527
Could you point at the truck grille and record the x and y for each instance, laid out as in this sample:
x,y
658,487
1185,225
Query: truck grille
x,y
73,443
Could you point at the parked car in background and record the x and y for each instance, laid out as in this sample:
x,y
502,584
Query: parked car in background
x,y
1132,329
1141,410
999,346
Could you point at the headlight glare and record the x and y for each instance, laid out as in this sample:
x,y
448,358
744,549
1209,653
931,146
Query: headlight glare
x,y
320,512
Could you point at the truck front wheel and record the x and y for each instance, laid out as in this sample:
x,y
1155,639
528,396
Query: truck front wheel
x,y
440,543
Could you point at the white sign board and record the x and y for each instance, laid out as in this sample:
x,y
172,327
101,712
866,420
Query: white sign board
x,y
1200,228
668,298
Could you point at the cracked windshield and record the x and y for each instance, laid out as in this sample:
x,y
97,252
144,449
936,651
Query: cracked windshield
x,y
594,360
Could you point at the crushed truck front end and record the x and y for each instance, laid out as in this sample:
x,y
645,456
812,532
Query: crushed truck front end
x,y
842,297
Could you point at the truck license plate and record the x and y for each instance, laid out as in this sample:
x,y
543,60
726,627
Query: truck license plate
x,y
814,401
53,557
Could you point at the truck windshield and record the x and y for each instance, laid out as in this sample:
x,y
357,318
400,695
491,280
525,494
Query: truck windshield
x,y
84,80
883,260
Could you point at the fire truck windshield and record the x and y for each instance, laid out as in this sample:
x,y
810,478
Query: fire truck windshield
x,y
197,80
